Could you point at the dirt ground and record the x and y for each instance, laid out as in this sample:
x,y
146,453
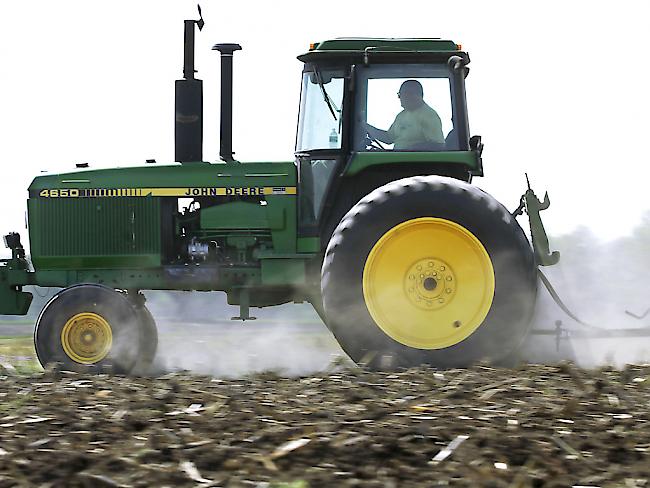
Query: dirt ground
x,y
536,426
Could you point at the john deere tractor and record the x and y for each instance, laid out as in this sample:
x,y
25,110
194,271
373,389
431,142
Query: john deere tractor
x,y
402,257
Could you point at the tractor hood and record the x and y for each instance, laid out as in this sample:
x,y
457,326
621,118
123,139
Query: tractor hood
x,y
174,180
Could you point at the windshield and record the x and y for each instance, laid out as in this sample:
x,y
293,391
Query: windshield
x,y
404,108
321,99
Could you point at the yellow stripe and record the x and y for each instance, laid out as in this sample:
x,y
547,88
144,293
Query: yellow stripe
x,y
188,192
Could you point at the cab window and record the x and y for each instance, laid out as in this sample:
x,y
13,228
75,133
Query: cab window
x,y
321,103
404,108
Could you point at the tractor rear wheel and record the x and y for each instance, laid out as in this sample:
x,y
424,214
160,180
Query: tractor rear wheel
x,y
428,270
88,328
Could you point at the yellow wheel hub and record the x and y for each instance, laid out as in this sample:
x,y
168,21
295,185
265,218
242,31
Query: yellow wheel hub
x,y
87,338
428,283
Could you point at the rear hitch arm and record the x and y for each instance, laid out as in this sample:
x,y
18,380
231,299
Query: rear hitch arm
x,y
533,206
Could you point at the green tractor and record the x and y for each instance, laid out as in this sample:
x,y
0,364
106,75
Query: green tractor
x,y
375,223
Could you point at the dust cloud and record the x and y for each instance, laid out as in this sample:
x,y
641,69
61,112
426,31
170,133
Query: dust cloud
x,y
196,333
599,281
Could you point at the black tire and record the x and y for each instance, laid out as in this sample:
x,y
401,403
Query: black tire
x,y
506,322
148,341
110,306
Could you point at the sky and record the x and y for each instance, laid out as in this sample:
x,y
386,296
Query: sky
x,y
557,89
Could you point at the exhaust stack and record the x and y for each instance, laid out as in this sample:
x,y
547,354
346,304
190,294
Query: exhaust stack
x,y
226,51
188,129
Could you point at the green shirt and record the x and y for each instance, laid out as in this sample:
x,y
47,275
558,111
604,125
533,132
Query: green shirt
x,y
413,127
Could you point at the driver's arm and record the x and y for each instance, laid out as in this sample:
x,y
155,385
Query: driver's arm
x,y
384,136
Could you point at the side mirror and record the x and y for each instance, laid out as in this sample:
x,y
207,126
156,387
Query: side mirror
x,y
475,144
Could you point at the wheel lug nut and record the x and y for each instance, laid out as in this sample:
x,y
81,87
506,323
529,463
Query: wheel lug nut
x,y
442,268
457,323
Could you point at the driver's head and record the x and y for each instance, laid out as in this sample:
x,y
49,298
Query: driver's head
x,y
411,94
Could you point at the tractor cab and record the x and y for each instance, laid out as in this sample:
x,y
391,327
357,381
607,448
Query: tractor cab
x,y
354,115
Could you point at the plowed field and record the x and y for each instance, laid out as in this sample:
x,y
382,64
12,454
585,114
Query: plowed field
x,y
536,426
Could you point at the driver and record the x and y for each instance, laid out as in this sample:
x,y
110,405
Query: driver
x,y
416,127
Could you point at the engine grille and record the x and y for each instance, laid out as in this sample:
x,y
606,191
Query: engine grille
x,y
94,232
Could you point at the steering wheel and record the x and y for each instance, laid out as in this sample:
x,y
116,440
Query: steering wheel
x,y
373,144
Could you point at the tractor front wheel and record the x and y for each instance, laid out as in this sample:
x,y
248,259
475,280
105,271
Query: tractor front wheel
x,y
428,270
88,328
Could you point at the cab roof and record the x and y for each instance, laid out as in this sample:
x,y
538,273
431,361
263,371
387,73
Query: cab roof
x,y
352,49
385,44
